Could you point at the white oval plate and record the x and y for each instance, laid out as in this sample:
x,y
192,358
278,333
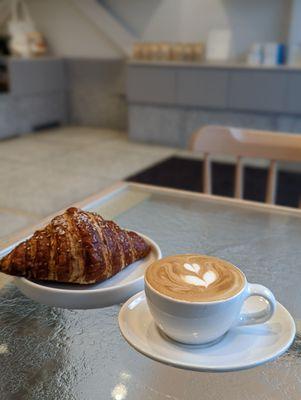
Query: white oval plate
x,y
112,291
241,348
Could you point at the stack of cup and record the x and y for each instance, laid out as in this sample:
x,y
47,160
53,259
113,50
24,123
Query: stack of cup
x,y
168,51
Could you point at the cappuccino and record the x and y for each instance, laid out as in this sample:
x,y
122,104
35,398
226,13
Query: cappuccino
x,y
195,278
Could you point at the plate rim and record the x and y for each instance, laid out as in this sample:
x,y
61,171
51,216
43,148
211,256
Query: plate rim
x,y
52,290
194,367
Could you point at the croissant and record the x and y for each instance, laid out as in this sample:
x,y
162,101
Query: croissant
x,y
75,247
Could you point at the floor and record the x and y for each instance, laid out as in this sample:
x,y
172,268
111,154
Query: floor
x,y
44,172
184,173
41,173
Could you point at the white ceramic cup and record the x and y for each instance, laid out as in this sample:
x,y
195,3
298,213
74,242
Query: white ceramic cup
x,y
206,322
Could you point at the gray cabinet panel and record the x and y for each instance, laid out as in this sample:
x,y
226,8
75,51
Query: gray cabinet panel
x,y
36,76
151,85
257,90
96,75
201,87
293,100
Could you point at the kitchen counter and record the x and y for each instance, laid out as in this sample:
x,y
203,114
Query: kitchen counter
x,y
168,101
214,65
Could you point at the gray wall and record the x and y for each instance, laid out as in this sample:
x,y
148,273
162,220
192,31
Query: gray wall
x,y
173,126
96,93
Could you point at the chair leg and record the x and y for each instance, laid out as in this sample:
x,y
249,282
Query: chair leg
x,y
239,179
207,179
272,183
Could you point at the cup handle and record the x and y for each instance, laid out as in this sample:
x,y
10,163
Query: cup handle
x,y
262,316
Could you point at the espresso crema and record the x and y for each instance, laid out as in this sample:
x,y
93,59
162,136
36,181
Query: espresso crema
x,y
195,277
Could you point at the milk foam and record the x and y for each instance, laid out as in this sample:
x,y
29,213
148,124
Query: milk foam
x,y
194,277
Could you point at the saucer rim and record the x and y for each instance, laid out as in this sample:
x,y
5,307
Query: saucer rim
x,y
194,367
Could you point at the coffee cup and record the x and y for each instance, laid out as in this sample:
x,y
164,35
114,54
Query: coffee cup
x,y
197,299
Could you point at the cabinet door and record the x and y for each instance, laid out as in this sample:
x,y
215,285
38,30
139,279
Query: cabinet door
x,y
202,87
151,85
293,101
36,76
258,90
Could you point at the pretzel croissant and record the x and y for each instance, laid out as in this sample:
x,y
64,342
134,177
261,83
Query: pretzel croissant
x,y
75,247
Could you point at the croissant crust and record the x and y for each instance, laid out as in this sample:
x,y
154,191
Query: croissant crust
x,y
75,247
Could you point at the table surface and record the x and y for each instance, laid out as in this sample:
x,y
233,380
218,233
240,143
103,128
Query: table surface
x,y
51,353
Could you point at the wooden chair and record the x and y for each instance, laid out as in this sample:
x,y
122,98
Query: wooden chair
x,y
246,143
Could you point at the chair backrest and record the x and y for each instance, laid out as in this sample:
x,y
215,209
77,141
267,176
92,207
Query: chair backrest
x,y
245,143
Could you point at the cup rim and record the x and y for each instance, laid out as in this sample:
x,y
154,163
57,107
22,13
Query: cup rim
x,y
195,303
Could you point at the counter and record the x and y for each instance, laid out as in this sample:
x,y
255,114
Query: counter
x,y
178,98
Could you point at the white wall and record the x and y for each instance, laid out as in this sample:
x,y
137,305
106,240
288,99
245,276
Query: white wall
x,y
295,31
249,21
191,20
68,32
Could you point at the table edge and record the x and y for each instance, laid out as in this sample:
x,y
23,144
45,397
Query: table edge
x,y
122,185
221,199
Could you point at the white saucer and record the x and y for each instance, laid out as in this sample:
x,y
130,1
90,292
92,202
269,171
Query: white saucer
x,y
242,347
112,291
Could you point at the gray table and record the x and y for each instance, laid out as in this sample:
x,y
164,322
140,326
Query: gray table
x,y
50,353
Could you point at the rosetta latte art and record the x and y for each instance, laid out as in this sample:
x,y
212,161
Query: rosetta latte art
x,y
193,277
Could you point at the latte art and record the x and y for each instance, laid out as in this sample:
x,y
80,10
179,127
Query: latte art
x,y
194,277
208,278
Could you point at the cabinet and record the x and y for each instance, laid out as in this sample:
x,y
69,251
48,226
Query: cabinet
x,y
151,85
202,87
257,90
